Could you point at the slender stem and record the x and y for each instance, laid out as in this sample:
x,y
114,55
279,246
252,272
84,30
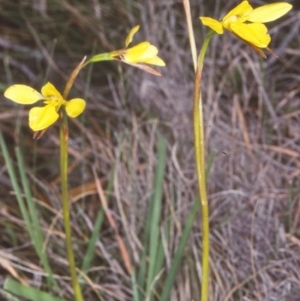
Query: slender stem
x,y
99,58
64,135
200,167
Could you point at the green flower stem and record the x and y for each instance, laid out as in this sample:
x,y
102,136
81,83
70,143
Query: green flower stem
x,y
64,136
99,58
199,146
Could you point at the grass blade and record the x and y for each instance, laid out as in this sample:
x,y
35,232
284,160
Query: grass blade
x,y
89,255
36,232
15,185
155,212
28,292
176,263
8,296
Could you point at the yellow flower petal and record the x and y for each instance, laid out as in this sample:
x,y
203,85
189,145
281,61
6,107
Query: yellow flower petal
x,y
254,33
238,22
143,53
41,118
49,91
157,61
23,94
131,34
242,9
139,52
269,12
75,107
213,24
148,53
138,55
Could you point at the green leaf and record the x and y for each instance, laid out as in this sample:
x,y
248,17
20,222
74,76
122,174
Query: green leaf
x,y
28,292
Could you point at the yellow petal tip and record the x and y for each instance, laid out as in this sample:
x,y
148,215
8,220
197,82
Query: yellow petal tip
x,y
132,32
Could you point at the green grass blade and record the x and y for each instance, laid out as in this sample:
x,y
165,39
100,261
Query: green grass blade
x,y
146,242
175,265
89,255
210,161
8,296
28,292
176,262
155,207
142,269
135,292
36,231
15,185
160,258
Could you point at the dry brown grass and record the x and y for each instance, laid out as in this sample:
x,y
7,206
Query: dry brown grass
x,y
252,122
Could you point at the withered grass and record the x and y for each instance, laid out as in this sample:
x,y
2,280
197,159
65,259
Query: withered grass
x,y
252,116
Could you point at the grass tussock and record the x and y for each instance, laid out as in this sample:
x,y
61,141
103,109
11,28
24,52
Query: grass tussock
x,y
132,149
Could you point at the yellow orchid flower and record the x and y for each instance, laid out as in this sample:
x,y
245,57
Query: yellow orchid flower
x,y
41,118
247,23
139,55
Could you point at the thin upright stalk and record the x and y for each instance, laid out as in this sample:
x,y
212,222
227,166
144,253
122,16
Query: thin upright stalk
x,y
64,135
199,146
64,138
